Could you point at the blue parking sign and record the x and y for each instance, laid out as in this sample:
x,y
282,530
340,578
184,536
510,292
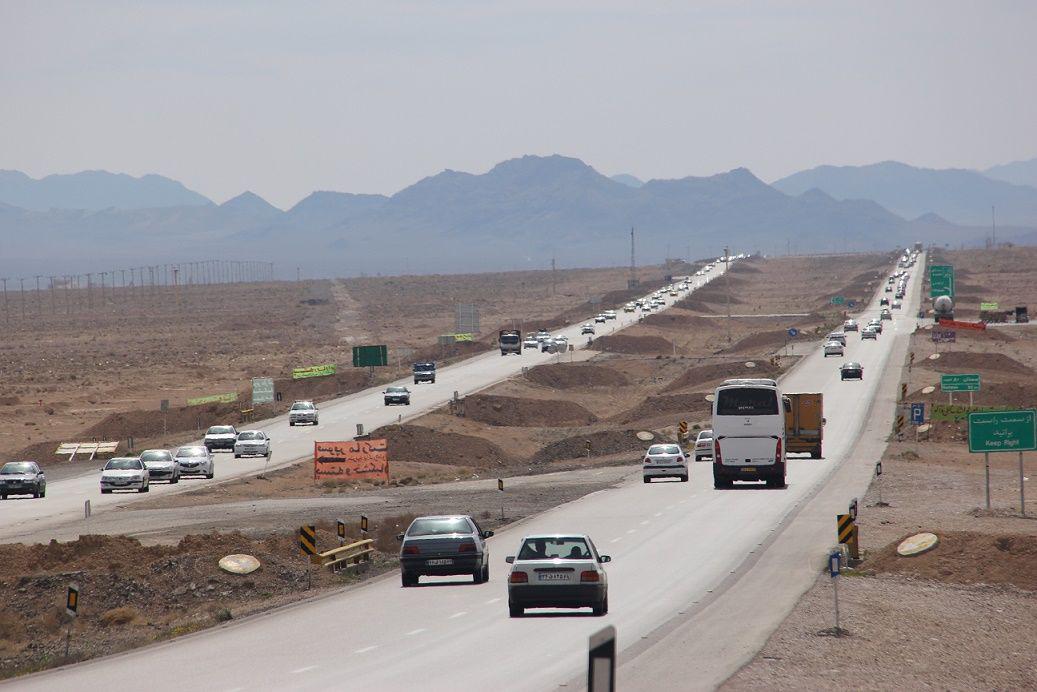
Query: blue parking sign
x,y
917,413
793,332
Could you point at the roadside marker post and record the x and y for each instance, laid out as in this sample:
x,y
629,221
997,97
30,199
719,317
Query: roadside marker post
x,y
308,545
834,566
72,609
364,524
500,489
340,529
847,533
601,661
878,483
86,509
682,431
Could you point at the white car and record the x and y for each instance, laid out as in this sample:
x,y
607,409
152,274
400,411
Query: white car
x,y
530,342
837,336
850,326
629,307
664,461
195,460
704,445
587,329
600,318
303,412
253,443
161,465
124,473
557,571
897,305
220,437
833,348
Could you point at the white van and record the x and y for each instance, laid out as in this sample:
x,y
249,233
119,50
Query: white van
x,y
748,433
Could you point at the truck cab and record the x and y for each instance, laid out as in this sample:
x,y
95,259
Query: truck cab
x,y
424,371
510,341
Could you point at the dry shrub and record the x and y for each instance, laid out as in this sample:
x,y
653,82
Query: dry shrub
x,y
10,627
123,615
54,619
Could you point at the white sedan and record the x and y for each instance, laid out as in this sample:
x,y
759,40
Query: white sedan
x,y
557,571
833,348
665,461
195,460
252,443
124,473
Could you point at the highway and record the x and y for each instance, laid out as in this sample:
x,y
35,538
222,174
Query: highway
x,y
30,520
673,545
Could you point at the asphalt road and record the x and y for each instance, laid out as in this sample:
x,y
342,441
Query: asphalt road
x,y
673,545
25,519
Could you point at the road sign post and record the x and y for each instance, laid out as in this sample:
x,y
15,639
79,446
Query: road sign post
x,y
500,489
340,529
941,280
262,390
72,609
834,559
601,661
1003,431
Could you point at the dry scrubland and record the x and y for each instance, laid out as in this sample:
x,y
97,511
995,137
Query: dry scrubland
x,y
963,615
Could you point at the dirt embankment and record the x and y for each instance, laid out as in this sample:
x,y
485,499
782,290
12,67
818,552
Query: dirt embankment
x,y
602,443
573,375
678,320
421,444
690,405
955,361
694,304
716,372
519,412
634,345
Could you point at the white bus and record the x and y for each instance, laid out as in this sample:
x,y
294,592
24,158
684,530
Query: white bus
x,y
748,433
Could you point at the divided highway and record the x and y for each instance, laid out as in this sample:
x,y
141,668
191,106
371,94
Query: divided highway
x,y
672,544
25,520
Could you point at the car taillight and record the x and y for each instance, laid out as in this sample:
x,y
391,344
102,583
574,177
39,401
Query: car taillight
x,y
777,451
647,460
410,550
518,578
589,575
466,548
716,452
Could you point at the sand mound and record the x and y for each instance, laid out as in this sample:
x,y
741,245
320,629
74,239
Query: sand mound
x,y
570,375
691,404
519,412
759,342
602,444
954,361
637,345
716,372
678,320
694,304
418,443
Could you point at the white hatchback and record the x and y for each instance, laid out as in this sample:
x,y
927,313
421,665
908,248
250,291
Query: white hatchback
x,y
557,571
665,461
833,348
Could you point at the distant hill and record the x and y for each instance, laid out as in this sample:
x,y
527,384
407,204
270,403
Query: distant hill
x,y
961,196
1017,172
95,190
628,180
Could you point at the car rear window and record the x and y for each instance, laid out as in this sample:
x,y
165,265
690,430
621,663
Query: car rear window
x,y
220,430
438,527
156,456
249,436
554,548
302,407
664,449
122,464
747,401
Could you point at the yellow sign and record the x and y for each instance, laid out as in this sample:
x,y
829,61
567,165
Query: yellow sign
x,y
72,600
347,461
214,399
313,371
464,337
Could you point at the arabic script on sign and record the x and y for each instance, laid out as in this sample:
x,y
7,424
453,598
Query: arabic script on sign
x,y
351,460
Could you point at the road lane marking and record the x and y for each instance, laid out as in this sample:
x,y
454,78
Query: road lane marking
x,y
645,522
365,649
417,631
492,601
616,540
457,615
304,669
630,531
658,514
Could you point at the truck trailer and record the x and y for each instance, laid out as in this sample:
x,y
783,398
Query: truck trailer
x,y
804,423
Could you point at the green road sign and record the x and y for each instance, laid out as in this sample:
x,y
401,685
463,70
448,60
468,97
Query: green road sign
x,y
313,371
959,383
214,399
1003,431
262,390
838,300
370,356
941,280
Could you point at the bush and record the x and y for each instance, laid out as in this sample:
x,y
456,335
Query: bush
x,y
123,615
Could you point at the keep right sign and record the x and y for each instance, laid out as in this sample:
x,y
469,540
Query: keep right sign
x,y
1003,431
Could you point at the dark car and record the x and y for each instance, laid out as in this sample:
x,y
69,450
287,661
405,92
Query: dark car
x,y
220,437
397,395
884,301
425,371
22,478
851,371
444,545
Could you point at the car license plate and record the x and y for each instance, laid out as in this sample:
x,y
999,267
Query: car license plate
x,y
748,469
441,561
553,576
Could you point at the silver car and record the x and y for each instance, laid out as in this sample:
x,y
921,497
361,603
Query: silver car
x,y
252,443
444,545
22,478
161,465
195,460
833,348
664,461
124,473
704,445
557,571
303,412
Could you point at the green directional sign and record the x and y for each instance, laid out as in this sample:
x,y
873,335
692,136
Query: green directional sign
x,y
1003,431
838,300
959,383
370,356
941,280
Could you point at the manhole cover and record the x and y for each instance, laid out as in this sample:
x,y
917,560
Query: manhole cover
x,y
645,436
917,544
934,356
928,390
239,564
750,364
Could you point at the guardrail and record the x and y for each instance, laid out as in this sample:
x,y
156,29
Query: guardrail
x,y
345,556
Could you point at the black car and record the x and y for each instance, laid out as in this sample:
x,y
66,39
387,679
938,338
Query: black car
x,y
397,396
851,371
884,301
444,545
22,478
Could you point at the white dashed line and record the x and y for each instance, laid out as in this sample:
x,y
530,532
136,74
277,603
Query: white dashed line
x,y
645,522
492,601
417,631
658,514
616,540
303,670
630,531
365,649
458,615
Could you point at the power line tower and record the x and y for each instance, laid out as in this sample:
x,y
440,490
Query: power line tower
x,y
632,282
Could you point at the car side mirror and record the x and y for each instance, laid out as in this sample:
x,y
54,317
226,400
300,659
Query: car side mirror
x,y
510,559
399,537
487,534
824,421
605,558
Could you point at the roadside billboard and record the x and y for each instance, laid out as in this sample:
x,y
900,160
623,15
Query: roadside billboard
x,y
313,371
262,390
1003,431
213,399
351,460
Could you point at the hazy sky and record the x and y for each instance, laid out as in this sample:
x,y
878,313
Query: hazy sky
x,y
286,97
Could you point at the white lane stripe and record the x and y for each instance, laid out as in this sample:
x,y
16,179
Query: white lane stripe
x,y
417,631
303,670
492,601
658,514
365,649
630,531
458,615
645,522
616,540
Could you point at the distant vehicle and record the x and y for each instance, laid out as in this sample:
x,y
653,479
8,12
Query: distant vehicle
x,y
884,301
837,336
889,288
897,305
543,334
833,348
629,307
850,326
804,423
876,323
943,308
885,315
851,371
221,437
396,395
22,478
547,345
611,315
443,546
303,412
530,342
195,460
587,329
664,461
124,473
557,571
510,341
425,371
748,433
869,332
704,445
161,465
600,318
252,443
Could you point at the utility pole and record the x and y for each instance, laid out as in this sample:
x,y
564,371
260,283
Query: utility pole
x,y
633,261
727,287
553,275
53,302
993,227
39,305
21,290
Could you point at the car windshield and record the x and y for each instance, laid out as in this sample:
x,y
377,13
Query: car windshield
x,y
191,452
301,407
664,449
18,467
510,339
250,436
220,430
396,390
852,366
122,465
554,548
439,527
747,401
156,455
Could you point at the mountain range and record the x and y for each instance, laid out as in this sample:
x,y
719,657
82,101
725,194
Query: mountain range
x,y
95,190
520,214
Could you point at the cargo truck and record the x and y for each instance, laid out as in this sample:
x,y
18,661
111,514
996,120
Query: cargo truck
x,y
804,423
510,341
424,371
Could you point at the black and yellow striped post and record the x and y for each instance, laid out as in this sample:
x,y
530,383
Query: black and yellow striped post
x,y
308,540
847,532
899,424
903,391
682,431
